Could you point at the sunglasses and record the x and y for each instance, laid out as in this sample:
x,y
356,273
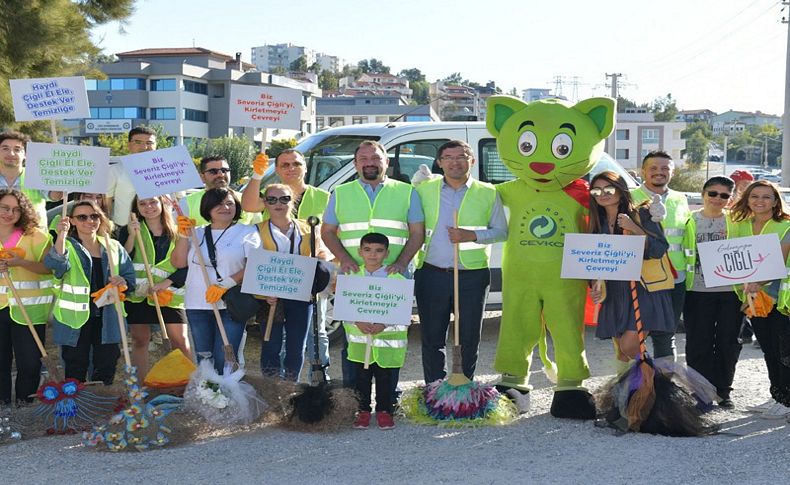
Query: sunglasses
x,y
608,190
722,195
85,217
271,200
215,171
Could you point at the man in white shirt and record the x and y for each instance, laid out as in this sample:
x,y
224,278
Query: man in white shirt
x,y
120,192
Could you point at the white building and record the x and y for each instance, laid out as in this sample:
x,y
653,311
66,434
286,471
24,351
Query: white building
x,y
330,63
637,133
270,57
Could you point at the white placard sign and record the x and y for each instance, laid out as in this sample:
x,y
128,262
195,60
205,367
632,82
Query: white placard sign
x,y
602,257
69,168
281,275
373,300
53,98
742,260
161,172
265,107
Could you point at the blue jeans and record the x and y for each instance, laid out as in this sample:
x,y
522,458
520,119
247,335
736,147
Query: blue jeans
x,y
208,341
298,318
323,339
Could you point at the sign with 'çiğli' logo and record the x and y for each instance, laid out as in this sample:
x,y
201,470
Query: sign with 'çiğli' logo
x,y
742,260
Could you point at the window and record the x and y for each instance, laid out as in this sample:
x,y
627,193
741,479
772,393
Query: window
x,y
358,120
163,113
319,123
115,84
382,119
195,87
118,112
195,115
622,154
492,169
623,134
336,121
406,158
650,135
163,84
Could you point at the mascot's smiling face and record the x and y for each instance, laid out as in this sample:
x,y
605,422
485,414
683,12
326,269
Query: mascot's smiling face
x,y
548,143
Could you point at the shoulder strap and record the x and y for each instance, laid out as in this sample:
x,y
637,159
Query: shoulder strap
x,y
212,252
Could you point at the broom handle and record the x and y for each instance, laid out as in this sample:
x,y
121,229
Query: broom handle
x,y
141,247
29,322
456,303
202,262
597,287
269,321
638,319
118,305
368,345
749,300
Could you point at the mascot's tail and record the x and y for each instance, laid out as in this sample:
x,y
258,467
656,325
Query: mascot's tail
x,y
549,367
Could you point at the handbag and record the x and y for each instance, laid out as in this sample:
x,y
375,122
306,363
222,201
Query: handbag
x,y
657,274
241,306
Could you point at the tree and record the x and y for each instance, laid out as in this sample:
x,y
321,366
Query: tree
x,y
315,67
697,149
513,92
420,92
413,75
299,65
277,146
50,39
239,151
118,143
664,108
453,79
373,65
280,71
327,80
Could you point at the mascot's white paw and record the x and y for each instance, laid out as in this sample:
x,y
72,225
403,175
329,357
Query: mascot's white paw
x,y
658,211
520,399
423,174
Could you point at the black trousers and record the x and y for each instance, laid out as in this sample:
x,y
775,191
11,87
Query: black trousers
x,y
16,343
713,321
773,333
105,356
434,291
364,384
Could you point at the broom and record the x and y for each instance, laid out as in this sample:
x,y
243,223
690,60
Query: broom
x,y
646,399
315,402
139,426
458,400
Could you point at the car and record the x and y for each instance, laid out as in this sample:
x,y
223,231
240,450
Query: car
x,y
694,200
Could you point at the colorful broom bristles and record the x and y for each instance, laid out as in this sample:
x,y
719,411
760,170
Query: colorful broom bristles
x,y
643,393
470,404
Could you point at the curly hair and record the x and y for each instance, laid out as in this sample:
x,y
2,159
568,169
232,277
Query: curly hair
x,y
28,218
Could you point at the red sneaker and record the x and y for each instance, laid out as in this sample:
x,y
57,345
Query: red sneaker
x,y
362,421
384,420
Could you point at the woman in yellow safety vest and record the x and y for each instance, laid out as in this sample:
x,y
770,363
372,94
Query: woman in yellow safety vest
x,y
81,260
760,211
22,248
159,234
284,234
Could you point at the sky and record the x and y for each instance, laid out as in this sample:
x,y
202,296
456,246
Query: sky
x,y
714,54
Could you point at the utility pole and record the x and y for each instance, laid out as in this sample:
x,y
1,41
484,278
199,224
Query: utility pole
x,y
611,143
765,151
786,116
725,156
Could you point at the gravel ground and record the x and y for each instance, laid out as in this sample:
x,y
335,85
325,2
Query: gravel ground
x,y
536,449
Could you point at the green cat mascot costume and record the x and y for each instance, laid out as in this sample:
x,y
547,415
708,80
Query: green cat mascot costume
x,y
548,145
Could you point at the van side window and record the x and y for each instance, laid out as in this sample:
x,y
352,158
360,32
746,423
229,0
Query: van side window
x,y
492,170
406,158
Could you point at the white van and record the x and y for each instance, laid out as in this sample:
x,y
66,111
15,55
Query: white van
x,y
329,156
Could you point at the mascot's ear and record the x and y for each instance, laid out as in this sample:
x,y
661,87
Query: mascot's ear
x,y
499,109
601,111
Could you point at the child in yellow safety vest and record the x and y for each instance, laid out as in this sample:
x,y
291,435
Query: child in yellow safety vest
x,y
389,343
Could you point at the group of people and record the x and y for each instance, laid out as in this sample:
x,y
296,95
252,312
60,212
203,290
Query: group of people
x,y
371,226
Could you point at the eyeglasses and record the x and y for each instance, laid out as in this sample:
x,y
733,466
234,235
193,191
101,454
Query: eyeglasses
x,y
215,171
598,191
283,199
148,143
85,217
460,158
5,209
722,195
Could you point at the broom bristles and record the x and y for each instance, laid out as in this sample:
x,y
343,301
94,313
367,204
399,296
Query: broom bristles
x,y
641,402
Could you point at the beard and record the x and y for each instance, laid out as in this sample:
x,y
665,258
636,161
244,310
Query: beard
x,y
219,184
371,173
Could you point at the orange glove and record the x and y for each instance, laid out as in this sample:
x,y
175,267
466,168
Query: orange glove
x,y
259,166
762,303
164,297
185,225
214,293
103,297
11,253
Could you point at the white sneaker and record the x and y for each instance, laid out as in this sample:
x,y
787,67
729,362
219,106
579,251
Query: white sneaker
x,y
761,408
520,399
777,411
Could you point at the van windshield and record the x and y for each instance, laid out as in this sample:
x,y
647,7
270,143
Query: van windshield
x,y
326,155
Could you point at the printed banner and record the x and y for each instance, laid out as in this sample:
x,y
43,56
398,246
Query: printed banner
x,y
373,300
269,273
742,260
265,107
70,168
161,172
54,98
602,257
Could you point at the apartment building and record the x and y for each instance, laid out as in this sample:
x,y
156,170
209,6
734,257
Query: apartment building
x,y
637,133
348,110
267,58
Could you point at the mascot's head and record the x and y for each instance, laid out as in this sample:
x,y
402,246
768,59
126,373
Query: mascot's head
x,y
549,143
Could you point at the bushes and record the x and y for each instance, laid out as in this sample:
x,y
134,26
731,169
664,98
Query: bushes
x,y
239,151
687,179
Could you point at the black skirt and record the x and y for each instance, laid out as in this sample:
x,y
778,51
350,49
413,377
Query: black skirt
x,y
143,313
